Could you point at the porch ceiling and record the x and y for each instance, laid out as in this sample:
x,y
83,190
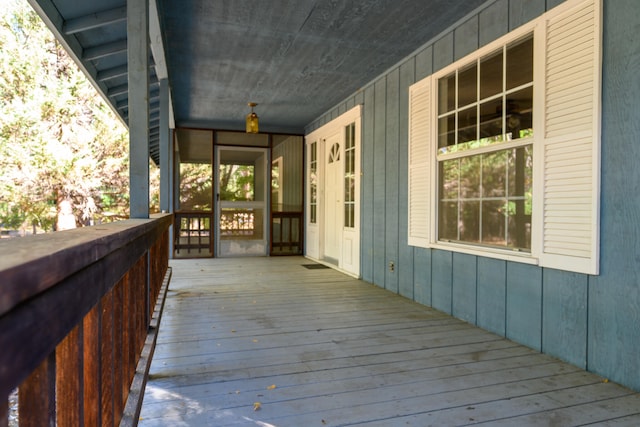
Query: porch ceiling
x,y
295,58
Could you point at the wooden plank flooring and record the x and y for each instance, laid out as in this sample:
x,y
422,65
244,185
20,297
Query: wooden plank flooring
x,y
317,348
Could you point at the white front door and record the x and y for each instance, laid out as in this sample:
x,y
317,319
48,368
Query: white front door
x,y
333,199
333,193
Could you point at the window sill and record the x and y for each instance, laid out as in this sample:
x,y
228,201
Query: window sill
x,y
507,255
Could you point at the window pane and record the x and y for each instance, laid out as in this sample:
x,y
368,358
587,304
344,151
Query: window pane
x,y
349,215
468,125
491,75
519,235
470,221
494,174
519,118
470,177
446,131
491,120
448,221
520,171
468,86
237,183
349,140
493,223
449,174
446,94
520,63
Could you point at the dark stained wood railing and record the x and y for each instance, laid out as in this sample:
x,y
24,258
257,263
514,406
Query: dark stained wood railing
x,y
193,232
79,312
287,233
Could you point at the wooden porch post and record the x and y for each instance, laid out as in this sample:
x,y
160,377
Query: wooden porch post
x,y
165,149
166,157
138,58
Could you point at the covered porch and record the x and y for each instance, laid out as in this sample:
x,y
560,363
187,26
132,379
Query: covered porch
x,y
282,344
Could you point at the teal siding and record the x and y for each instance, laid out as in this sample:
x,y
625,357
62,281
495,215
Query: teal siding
x,y
441,280
379,183
405,252
589,321
466,38
366,184
392,201
492,295
463,289
422,276
493,22
524,304
523,11
564,316
614,296
424,63
443,52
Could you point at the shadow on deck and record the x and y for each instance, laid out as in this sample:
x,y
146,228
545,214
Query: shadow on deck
x,y
267,342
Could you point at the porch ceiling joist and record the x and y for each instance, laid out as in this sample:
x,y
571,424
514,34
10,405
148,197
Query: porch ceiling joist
x,y
107,49
95,20
112,73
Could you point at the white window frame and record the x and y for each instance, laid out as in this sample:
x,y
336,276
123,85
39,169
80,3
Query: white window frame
x,y
565,230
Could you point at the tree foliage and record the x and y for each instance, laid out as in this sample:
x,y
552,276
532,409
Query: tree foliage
x,y
59,141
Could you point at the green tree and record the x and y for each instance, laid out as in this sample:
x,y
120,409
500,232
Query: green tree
x,y
60,144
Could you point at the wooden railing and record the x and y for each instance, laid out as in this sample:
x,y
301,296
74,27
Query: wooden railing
x,y
287,233
193,232
79,312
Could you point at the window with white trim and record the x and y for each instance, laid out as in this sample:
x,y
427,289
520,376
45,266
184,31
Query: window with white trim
x,y
350,175
484,156
504,146
313,183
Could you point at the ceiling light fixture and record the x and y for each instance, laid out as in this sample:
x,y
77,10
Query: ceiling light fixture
x,y
252,120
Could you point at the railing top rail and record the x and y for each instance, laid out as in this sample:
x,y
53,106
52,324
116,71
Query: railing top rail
x,y
33,264
49,282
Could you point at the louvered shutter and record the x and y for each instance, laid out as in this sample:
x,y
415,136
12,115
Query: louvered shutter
x,y
419,163
571,144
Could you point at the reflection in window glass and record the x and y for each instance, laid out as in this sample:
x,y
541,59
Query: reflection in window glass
x,y
446,131
519,63
469,228
447,94
468,86
486,199
504,110
491,75
494,174
313,183
470,177
349,176
491,124
519,120
468,125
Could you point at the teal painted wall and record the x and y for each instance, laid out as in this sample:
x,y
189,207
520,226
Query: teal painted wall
x,y
590,321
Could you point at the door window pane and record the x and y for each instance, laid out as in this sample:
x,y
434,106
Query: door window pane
x,y
237,183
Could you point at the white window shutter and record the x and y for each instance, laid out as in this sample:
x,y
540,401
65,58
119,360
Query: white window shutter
x,y
571,143
419,163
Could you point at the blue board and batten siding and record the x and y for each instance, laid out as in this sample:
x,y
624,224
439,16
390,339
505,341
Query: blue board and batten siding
x,y
590,321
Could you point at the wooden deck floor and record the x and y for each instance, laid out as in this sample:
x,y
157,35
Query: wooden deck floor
x,y
318,348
